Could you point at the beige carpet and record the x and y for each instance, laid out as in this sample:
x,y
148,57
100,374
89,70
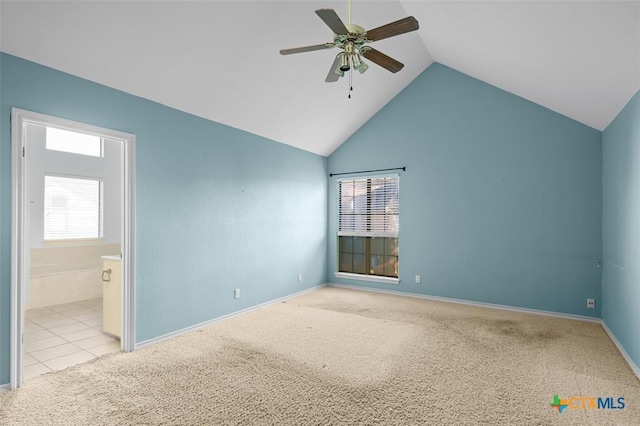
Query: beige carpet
x,y
338,356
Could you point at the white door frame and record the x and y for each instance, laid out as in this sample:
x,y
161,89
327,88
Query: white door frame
x,y
19,119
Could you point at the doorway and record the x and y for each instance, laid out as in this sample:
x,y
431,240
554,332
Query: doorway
x,y
84,216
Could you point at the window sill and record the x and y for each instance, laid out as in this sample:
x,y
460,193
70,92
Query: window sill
x,y
372,278
74,242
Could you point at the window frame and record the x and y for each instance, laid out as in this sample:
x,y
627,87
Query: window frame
x,y
365,276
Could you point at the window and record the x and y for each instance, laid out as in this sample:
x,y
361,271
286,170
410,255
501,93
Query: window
x,y
72,208
368,226
73,142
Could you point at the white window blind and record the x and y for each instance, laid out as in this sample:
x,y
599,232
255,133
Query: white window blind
x,y
369,207
72,208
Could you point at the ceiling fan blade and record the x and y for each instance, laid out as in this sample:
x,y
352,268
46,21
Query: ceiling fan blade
x,y
306,49
381,59
401,26
332,77
331,18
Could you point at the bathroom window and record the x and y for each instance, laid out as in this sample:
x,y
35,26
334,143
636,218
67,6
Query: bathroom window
x,y
72,208
73,142
368,226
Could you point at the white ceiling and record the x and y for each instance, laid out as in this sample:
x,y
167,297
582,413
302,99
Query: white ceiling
x,y
219,59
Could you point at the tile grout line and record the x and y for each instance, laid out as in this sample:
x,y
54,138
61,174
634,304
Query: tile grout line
x,y
83,352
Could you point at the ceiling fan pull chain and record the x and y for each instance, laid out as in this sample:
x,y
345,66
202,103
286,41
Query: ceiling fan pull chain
x,y
351,79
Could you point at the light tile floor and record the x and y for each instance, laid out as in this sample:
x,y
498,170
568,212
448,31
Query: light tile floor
x,y
60,336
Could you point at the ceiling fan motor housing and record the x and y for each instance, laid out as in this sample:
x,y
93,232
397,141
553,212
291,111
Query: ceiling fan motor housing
x,y
356,36
355,29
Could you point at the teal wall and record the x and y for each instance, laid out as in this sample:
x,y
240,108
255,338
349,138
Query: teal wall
x,y
621,227
501,201
217,208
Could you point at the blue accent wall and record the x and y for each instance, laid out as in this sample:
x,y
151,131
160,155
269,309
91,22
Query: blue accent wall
x,y
621,227
217,208
501,201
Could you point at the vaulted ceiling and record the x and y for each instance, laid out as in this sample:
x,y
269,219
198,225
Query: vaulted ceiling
x,y
219,59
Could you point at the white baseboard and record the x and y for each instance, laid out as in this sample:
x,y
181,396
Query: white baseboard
x,y
469,302
625,355
167,336
5,388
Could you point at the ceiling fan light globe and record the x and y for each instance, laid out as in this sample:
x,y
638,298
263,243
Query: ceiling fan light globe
x,y
357,62
344,62
363,68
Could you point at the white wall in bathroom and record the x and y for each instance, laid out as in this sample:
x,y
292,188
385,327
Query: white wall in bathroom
x,y
68,272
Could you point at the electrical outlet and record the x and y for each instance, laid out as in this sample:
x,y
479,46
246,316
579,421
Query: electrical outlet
x,y
591,303
418,279
236,293
300,277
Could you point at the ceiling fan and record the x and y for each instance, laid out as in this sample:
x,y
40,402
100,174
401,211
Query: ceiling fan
x,y
352,39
